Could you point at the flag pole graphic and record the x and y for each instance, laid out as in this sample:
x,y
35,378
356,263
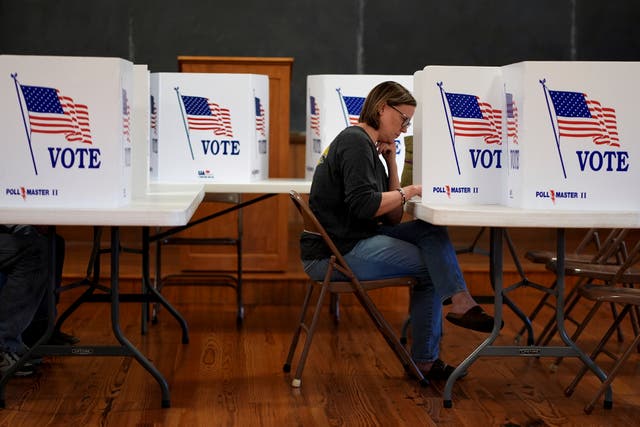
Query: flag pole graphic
x,y
555,134
24,121
186,128
453,139
344,107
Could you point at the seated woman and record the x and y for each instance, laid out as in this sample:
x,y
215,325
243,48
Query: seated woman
x,y
360,205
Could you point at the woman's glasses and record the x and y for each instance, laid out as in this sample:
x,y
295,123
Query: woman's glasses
x,y
406,121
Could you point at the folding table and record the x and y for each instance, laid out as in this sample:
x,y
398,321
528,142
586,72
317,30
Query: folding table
x,y
498,218
164,207
266,189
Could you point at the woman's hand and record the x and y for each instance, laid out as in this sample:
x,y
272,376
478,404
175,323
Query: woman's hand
x,y
388,150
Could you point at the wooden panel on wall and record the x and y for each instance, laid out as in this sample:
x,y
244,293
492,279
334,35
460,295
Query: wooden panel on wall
x,y
265,224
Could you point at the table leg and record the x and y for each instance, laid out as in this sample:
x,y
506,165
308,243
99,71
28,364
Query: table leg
x,y
495,271
608,396
154,292
115,319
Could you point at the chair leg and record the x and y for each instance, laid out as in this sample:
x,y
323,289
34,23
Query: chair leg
x,y
582,326
309,329
614,313
596,351
299,328
612,374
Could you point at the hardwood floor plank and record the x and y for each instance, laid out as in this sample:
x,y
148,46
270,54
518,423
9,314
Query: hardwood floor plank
x,y
230,376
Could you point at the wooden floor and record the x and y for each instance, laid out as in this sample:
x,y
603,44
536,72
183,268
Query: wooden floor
x,y
228,376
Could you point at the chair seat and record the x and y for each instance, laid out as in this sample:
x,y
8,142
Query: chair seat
x,y
368,285
605,272
613,294
543,257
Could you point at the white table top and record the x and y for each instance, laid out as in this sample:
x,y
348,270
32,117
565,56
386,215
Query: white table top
x,y
503,216
270,185
154,209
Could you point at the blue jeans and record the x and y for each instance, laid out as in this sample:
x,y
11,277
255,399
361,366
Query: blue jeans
x,y
23,260
413,248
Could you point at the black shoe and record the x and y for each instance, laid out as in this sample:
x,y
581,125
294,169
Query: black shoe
x,y
441,371
475,318
9,359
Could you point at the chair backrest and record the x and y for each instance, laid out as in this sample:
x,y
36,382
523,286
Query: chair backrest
x,y
619,280
626,268
613,247
312,225
591,237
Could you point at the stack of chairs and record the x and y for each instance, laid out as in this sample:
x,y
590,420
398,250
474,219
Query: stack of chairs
x,y
615,284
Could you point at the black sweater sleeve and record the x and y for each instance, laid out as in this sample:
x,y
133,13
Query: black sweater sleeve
x,y
346,192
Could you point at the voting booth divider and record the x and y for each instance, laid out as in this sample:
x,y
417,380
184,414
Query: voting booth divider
x,y
575,136
209,128
334,102
66,125
458,134
140,128
533,135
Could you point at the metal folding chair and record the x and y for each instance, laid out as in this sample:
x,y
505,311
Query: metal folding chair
x,y
590,249
353,285
612,253
617,289
591,238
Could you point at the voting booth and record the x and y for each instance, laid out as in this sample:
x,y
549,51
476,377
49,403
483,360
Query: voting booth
x,y
573,135
458,144
335,102
66,124
209,127
534,135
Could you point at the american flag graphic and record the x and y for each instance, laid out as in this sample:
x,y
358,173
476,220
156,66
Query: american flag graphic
x,y
153,117
354,107
512,119
203,114
126,117
580,117
475,118
52,113
260,117
314,115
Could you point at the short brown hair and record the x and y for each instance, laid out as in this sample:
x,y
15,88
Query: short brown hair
x,y
386,93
